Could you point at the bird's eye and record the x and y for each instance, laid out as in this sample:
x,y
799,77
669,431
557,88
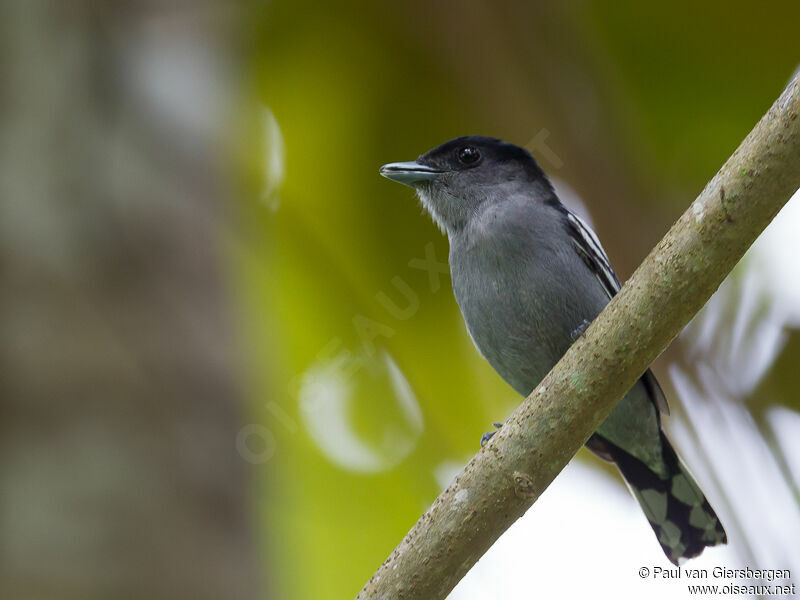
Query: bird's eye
x,y
469,155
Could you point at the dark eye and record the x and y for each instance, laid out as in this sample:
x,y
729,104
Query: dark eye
x,y
469,155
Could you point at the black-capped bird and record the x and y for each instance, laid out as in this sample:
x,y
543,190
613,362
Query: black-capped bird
x,y
529,276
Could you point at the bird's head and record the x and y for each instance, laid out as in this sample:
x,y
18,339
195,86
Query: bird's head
x,y
455,180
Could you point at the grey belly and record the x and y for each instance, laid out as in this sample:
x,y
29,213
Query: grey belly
x,y
521,319
523,330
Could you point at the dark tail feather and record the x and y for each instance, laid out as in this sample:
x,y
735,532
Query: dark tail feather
x,y
679,513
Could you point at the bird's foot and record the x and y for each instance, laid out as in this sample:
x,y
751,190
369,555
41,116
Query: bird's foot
x,y
489,434
578,331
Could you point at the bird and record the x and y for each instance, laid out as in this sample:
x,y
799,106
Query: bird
x,y
529,276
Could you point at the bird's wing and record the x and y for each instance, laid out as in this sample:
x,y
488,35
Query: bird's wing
x,y
591,251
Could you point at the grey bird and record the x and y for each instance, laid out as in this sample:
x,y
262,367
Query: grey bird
x,y
529,276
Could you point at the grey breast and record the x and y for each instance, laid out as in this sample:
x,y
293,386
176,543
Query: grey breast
x,y
510,278
523,289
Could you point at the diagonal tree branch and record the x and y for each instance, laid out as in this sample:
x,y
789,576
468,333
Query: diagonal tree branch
x,y
672,284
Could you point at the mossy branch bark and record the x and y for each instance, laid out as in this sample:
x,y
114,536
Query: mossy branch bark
x,y
672,284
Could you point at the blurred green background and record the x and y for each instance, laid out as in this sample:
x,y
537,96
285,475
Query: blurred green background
x,y
633,105
233,364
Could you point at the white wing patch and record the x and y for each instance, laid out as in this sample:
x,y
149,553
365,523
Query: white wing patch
x,y
590,249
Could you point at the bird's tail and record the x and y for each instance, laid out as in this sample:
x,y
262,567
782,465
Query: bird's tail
x,y
679,513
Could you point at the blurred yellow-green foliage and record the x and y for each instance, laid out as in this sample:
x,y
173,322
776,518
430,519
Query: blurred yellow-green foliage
x,y
363,404
230,349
